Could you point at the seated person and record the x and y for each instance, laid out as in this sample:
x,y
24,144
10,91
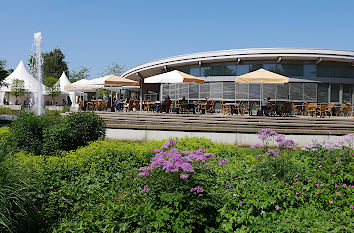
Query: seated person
x,y
165,106
118,104
265,106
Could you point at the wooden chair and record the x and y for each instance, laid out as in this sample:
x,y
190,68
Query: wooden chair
x,y
350,110
241,108
329,110
312,109
90,106
341,110
298,110
286,109
250,108
321,111
225,108
81,105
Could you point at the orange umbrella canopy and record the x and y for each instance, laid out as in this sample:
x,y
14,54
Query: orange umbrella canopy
x,y
262,76
113,80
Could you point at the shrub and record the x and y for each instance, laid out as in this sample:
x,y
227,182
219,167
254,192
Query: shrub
x,y
26,132
76,129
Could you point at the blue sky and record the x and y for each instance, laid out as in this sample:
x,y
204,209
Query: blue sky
x,y
96,33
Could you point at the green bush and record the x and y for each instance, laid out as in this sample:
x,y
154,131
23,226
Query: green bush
x,y
26,132
76,129
96,188
8,111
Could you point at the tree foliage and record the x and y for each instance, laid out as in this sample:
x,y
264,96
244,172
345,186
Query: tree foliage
x,y
52,86
3,73
53,64
115,69
17,88
76,75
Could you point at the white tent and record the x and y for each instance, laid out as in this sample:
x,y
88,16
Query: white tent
x,y
64,81
30,83
174,76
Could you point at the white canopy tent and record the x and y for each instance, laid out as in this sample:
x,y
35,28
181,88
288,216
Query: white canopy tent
x,y
30,83
64,81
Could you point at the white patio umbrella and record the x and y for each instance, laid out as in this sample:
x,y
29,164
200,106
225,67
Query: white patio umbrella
x,y
174,76
83,85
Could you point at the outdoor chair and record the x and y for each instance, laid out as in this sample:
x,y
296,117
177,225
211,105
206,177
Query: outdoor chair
x,y
90,106
329,110
312,108
350,110
225,108
250,108
298,110
241,108
81,105
341,110
286,109
129,106
321,111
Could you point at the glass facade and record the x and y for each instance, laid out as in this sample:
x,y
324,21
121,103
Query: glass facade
x,y
337,93
290,69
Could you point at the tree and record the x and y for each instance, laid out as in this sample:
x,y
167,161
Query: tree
x,y
83,73
17,88
115,69
52,86
3,72
53,64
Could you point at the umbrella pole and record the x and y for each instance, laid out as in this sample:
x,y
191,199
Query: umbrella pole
x,y
141,94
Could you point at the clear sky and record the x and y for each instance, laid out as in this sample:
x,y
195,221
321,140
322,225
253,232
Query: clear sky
x,y
131,32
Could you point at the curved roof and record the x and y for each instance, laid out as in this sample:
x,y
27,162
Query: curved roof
x,y
236,55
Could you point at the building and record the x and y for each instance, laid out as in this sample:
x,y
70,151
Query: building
x,y
316,75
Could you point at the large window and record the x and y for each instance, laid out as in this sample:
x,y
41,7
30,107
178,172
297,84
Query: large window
x,y
292,70
270,67
195,71
242,69
348,71
219,70
347,93
335,88
310,70
322,92
336,70
323,70
254,67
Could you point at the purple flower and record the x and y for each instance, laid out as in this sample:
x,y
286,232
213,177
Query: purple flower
x,y
234,195
317,185
336,185
338,193
303,188
333,171
321,185
277,208
145,189
330,202
168,144
320,166
314,181
308,181
259,156
285,143
272,153
318,192
351,206
297,182
314,170
197,190
274,174
222,161
183,176
344,185
257,145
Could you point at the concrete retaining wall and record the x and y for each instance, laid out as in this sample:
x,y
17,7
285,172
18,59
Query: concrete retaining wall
x,y
239,139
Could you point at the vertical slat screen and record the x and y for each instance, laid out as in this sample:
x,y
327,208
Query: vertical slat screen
x,y
193,91
269,90
296,91
204,90
228,90
254,91
310,92
216,91
241,91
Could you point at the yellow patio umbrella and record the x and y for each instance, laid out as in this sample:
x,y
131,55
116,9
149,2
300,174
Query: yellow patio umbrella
x,y
262,76
113,80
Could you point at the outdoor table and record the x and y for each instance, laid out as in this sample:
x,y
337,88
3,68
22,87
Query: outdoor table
x,y
148,105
